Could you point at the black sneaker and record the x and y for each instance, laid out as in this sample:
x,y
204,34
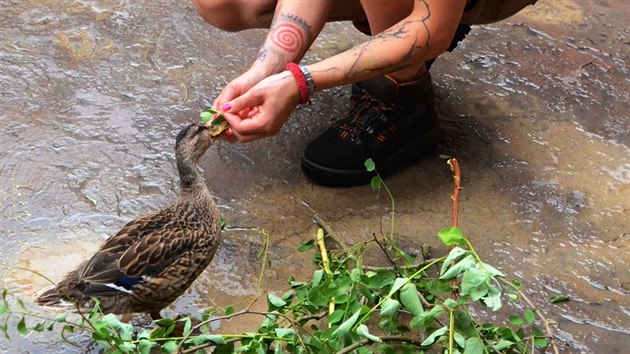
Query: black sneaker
x,y
390,123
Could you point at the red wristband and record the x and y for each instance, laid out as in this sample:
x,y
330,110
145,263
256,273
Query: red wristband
x,y
305,96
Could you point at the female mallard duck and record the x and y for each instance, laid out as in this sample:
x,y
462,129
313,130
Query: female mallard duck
x,y
153,259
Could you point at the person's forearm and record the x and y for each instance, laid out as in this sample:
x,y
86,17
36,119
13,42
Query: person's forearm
x,y
295,26
423,35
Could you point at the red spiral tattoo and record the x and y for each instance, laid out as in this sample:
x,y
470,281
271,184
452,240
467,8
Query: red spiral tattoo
x,y
288,37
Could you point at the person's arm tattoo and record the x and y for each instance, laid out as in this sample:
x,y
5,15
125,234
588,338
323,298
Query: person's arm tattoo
x,y
289,34
288,37
402,32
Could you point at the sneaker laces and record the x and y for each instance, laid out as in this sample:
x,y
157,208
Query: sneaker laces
x,y
364,112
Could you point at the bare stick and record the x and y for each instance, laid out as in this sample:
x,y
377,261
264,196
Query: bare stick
x,y
326,265
391,261
325,225
457,173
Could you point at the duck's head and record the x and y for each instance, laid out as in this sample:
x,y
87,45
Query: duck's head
x,y
193,141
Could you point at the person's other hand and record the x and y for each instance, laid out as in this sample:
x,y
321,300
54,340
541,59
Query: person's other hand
x,y
262,110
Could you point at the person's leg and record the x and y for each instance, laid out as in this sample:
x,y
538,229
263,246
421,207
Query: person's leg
x,y
238,15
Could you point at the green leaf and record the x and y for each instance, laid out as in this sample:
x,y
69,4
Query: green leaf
x,y
229,311
145,334
474,346
335,316
459,267
275,301
278,348
453,255
170,346
492,270
475,283
207,114
187,326
537,332
317,277
370,166
540,342
345,327
60,318
515,320
450,303
206,338
398,283
452,236
376,182
305,246
434,336
558,298
224,349
363,330
493,299
410,299
218,120
503,344
389,308
40,327
316,297
426,317
4,329
21,304
530,316
21,327
355,275
3,309
378,280
125,330
269,320
145,346
164,322
285,332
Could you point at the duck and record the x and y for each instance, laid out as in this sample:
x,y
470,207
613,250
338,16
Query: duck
x,y
155,258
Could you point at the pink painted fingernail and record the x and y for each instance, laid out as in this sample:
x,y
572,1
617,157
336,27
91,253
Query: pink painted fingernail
x,y
229,133
226,107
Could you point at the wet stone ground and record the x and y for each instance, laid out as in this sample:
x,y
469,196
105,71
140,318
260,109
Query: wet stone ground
x,y
535,108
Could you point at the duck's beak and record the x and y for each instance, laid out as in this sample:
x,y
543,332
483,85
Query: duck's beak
x,y
216,130
217,125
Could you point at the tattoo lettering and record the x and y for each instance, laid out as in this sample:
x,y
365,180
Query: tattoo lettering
x,y
297,19
288,37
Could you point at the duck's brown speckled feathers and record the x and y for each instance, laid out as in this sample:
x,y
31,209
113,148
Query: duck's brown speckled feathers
x,y
153,259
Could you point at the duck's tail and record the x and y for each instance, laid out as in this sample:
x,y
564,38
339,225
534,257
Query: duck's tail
x,y
51,297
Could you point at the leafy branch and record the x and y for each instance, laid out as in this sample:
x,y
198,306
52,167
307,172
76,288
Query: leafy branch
x,y
413,305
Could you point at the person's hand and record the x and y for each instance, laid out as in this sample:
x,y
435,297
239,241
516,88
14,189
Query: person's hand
x,y
240,85
262,110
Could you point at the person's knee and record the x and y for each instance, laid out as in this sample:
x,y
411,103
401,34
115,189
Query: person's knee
x,y
228,15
